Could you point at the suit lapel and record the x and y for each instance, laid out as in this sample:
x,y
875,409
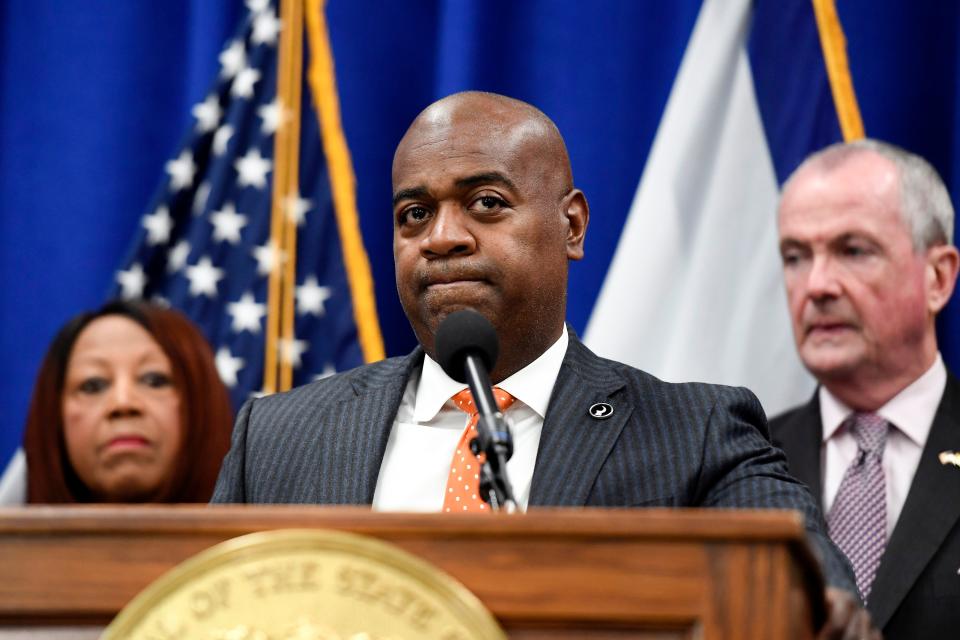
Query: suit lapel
x,y
801,439
930,511
363,424
574,445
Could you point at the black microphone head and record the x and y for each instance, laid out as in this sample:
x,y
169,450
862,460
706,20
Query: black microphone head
x,y
462,333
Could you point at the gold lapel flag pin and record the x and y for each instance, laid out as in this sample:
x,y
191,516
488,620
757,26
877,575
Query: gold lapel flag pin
x,y
950,457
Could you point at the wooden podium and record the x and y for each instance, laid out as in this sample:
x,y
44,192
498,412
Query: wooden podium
x,y
65,572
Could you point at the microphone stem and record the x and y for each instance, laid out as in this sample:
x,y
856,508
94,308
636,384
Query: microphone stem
x,y
492,432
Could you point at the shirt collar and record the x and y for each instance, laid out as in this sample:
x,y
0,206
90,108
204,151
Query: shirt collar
x,y
911,411
532,385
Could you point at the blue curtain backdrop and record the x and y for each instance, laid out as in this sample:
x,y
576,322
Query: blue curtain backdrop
x,y
95,97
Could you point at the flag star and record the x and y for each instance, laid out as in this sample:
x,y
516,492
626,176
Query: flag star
x,y
208,114
256,6
204,277
132,282
200,199
232,59
292,351
158,226
181,171
268,257
266,26
252,170
177,257
160,301
311,296
227,224
242,86
246,313
228,366
221,139
328,371
273,115
297,209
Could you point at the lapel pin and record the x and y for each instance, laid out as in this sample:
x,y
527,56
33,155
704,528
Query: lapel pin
x,y
946,457
601,410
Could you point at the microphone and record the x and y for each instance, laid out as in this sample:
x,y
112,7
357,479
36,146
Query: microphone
x,y
467,348
462,334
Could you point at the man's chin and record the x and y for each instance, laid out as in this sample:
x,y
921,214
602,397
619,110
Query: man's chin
x,y
831,361
428,317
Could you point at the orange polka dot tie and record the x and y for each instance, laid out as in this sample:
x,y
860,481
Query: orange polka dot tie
x,y
463,484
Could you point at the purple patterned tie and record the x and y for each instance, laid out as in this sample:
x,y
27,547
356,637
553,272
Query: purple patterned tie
x,y
858,518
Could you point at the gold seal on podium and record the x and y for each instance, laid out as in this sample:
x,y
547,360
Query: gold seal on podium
x,y
304,585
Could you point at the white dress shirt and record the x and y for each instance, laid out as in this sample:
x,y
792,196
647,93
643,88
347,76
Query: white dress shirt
x,y
910,413
413,474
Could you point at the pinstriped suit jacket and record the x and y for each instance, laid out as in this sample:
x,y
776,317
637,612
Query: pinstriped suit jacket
x,y
670,445
917,588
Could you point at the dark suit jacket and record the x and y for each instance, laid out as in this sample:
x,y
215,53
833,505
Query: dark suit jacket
x,y
668,445
916,593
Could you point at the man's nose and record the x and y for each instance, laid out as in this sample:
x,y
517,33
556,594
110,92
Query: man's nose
x,y
822,280
449,234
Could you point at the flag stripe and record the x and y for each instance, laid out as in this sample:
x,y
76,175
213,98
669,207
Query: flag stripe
x,y
343,183
838,69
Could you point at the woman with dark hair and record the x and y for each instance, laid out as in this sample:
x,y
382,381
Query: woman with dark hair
x,y
127,407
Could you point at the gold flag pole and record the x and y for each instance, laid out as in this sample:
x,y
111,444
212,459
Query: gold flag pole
x,y
834,46
278,369
290,131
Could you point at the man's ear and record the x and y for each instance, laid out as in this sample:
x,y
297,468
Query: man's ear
x,y
577,213
943,261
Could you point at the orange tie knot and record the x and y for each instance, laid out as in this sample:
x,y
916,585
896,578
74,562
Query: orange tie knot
x,y
464,400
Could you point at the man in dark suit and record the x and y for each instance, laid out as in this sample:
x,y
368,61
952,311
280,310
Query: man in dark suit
x,y
868,262
486,217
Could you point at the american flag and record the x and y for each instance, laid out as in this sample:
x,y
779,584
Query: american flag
x,y
204,244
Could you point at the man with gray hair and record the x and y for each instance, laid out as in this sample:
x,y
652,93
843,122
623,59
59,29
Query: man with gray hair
x,y
865,236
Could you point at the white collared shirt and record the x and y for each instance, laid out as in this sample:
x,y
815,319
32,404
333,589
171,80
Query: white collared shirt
x,y
413,474
911,413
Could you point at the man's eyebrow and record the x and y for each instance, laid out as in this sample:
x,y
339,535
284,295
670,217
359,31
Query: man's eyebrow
x,y
411,193
854,235
496,177
793,243
482,178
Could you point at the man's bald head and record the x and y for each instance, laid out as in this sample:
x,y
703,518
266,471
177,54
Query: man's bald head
x,y
519,123
486,218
